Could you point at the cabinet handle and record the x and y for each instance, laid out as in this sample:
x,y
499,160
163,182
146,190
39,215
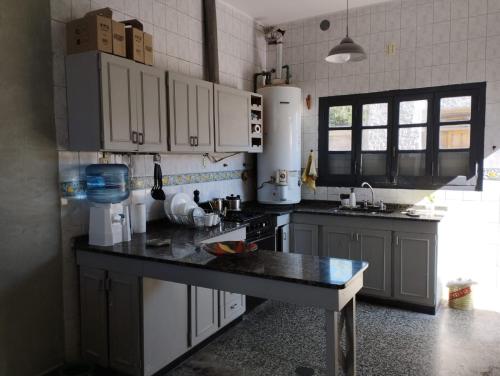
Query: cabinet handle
x,y
397,240
284,236
196,141
134,137
141,138
357,237
352,235
233,306
191,140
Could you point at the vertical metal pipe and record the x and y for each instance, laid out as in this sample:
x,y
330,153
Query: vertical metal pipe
x,y
210,38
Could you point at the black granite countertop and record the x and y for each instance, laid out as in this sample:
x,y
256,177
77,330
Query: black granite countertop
x,y
333,208
184,250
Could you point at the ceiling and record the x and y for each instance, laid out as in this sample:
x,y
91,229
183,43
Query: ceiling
x,y
272,12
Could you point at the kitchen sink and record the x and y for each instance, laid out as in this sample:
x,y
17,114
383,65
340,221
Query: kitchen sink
x,y
366,210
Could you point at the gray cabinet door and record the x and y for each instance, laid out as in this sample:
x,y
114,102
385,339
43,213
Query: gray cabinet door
x,y
338,242
204,313
94,320
232,119
191,119
231,306
374,247
202,115
165,323
124,323
152,107
179,88
118,103
415,267
304,239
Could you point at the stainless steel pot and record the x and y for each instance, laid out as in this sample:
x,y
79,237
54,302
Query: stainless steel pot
x,y
217,205
233,203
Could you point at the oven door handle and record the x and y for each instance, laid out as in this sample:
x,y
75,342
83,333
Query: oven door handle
x,y
259,238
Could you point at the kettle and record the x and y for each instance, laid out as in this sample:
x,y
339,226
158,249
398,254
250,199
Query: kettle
x,y
233,203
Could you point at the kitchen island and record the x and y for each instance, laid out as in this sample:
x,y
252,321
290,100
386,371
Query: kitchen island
x,y
323,282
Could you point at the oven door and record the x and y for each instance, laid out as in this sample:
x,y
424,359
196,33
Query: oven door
x,y
265,241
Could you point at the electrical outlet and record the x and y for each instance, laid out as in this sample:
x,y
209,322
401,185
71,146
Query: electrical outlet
x,y
390,49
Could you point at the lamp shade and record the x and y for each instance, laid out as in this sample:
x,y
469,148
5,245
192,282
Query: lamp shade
x,y
346,51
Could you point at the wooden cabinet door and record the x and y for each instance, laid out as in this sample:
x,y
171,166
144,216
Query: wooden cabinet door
x,y
415,267
231,306
204,313
232,119
179,103
338,242
124,323
94,318
304,239
375,247
152,107
118,103
202,115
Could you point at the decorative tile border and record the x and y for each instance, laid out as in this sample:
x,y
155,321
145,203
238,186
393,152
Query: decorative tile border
x,y
492,173
77,188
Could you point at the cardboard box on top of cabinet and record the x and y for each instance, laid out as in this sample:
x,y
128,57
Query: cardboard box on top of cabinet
x,y
135,40
148,49
92,32
119,41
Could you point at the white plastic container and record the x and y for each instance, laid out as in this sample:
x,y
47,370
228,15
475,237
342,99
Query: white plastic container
x,y
278,167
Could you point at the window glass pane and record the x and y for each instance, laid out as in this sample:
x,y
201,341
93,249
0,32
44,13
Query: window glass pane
x,y
411,164
340,116
414,138
454,163
339,164
374,139
373,164
374,114
339,140
454,136
455,109
413,112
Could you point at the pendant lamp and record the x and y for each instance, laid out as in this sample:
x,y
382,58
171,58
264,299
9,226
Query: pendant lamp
x,y
347,50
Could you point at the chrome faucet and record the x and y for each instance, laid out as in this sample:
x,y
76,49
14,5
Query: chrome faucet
x,y
365,184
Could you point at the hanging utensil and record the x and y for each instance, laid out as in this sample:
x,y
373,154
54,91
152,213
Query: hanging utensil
x,y
161,194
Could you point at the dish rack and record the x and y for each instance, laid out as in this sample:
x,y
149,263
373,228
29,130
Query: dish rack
x,y
189,220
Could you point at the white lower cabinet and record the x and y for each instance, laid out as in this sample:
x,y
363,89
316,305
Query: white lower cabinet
x,y
373,246
304,239
231,306
204,310
402,265
415,267
138,326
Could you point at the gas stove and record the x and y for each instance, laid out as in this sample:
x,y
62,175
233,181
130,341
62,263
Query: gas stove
x,y
259,225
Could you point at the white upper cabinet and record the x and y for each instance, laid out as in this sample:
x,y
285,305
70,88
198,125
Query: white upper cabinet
x,y
191,122
118,105
151,108
115,104
232,119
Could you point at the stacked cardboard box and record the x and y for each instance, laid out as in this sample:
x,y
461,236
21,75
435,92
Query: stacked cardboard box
x,y
97,31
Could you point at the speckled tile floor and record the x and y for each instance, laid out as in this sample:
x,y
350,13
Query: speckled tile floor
x,y
280,339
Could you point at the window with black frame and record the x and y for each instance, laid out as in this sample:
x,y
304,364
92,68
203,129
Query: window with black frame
x,y
419,138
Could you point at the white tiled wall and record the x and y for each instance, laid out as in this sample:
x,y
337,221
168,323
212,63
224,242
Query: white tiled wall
x,y
438,42
241,45
178,40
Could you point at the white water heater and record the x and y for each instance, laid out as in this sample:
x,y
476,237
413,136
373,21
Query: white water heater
x,y
278,167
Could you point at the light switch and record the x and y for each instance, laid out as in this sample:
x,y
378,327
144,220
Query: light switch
x,y
390,49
